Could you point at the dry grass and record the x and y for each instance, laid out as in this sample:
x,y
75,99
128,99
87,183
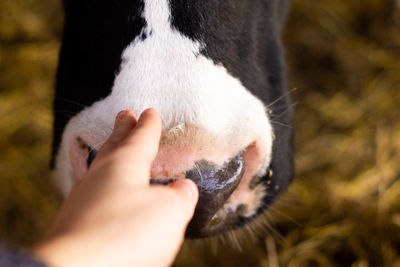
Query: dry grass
x,y
28,57
343,208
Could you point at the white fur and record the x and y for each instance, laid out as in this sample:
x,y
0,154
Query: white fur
x,y
164,72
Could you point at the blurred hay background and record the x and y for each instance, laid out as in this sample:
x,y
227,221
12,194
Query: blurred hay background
x,y
343,208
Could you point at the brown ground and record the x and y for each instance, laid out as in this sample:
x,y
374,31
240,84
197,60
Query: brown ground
x,y
343,208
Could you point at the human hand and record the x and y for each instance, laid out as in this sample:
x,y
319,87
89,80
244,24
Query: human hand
x,y
113,217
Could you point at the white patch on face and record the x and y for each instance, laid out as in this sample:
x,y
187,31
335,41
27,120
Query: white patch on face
x,y
167,72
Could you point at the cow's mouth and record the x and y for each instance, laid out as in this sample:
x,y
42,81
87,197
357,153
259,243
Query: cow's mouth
x,y
216,183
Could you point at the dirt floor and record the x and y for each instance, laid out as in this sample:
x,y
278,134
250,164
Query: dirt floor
x,y
343,208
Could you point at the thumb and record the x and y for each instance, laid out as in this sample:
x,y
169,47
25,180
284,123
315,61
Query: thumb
x,y
187,189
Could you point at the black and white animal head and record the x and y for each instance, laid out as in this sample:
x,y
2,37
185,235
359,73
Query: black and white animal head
x,y
213,69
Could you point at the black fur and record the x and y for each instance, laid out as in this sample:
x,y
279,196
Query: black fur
x,y
95,34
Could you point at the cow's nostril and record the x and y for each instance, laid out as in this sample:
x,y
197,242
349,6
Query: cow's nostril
x,y
212,178
161,181
92,153
216,184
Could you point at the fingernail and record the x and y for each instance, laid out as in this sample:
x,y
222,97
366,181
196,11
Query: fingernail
x,y
143,113
120,115
189,187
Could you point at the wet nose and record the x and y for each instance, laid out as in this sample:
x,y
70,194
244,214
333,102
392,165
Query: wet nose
x,y
216,184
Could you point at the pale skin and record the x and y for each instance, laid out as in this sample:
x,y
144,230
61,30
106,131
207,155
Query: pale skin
x,y
113,217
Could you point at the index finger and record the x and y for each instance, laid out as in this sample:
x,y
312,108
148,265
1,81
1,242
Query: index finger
x,y
142,143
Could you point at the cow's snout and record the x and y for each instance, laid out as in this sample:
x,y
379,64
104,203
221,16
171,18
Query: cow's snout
x,y
224,172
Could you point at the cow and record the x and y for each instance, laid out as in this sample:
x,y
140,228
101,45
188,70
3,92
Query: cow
x,y
214,71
